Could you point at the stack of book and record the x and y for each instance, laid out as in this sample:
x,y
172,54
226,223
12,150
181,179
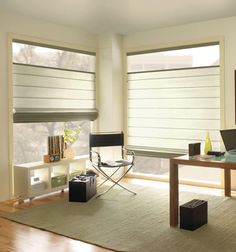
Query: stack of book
x,y
56,146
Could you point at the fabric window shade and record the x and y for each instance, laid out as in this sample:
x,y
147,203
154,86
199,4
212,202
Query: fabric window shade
x,y
169,109
44,94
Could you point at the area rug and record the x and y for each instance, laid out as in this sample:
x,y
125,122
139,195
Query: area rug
x,y
124,222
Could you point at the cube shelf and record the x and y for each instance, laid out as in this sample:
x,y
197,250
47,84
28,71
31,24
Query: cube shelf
x,y
38,178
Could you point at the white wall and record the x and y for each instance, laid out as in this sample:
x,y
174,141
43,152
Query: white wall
x,y
193,33
45,32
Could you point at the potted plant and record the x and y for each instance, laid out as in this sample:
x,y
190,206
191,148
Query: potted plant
x,y
71,135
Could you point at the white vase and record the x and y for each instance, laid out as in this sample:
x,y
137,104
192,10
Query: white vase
x,y
69,152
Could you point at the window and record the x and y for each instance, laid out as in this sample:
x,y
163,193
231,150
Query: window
x,y
173,99
50,86
190,57
39,55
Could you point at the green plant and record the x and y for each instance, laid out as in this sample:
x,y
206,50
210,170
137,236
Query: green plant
x,y
71,134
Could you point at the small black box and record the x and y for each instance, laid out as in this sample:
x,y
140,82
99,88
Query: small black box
x,y
194,149
193,214
82,188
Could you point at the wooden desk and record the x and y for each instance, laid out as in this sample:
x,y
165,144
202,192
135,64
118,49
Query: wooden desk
x,y
226,163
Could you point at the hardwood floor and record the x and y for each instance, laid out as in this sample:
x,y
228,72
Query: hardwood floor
x,y
20,238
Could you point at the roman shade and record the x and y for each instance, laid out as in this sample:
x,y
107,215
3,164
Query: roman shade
x,y
169,109
46,94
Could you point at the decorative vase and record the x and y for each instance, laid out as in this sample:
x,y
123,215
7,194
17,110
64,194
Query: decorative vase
x,y
208,146
69,152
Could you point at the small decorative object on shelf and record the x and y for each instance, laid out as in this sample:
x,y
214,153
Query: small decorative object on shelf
x,y
69,152
208,146
194,149
55,149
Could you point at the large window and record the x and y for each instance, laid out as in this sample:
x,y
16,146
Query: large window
x,y
51,86
173,99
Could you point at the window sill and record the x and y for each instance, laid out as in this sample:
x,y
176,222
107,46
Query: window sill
x,y
158,153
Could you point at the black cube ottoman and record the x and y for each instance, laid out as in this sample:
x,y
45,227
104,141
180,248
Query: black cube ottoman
x,y
193,214
82,188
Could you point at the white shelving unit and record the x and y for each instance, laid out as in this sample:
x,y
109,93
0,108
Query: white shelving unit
x,y
34,179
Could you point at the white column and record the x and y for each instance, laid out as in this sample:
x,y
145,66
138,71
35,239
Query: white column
x,y
110,88
110,83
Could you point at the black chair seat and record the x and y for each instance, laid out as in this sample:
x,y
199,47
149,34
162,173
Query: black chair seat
x,y
117,163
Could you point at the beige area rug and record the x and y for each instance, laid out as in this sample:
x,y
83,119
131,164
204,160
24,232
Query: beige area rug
x,y
123,222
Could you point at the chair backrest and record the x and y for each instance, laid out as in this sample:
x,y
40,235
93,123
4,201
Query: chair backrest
x,y
106,139
111,139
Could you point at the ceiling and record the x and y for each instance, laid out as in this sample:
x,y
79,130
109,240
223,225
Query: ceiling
x,y
120,16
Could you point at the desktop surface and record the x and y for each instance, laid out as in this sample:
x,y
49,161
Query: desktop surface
x,y
227,158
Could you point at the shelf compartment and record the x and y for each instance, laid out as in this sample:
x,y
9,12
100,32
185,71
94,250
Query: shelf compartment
x,y
57,170
74,174
39,181
38,187
60,180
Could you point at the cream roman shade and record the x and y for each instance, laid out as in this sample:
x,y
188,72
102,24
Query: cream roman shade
x,y
169,109
44,94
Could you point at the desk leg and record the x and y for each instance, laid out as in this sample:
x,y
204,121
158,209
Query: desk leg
x,y
174,194
227,182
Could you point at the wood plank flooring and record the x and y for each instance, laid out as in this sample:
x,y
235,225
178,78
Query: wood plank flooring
x,y
15,237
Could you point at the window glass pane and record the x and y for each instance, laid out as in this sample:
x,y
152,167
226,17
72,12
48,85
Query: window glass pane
x,y
30,139
159,167
174,59
151,165
49,57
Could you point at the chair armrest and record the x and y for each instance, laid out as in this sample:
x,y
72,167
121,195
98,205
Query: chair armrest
x,y
97,155
128,152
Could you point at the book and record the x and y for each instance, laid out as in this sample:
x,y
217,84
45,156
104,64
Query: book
x,y
204,156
